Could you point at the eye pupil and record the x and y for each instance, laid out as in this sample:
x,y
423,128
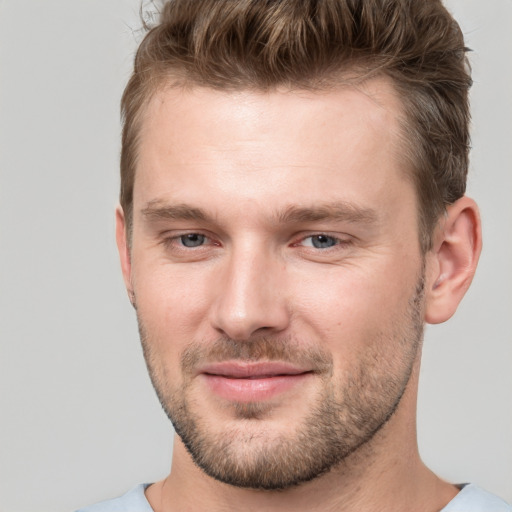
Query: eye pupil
x,y
322,241
192,240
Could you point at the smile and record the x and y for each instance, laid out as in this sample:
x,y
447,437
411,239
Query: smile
x,y
252,382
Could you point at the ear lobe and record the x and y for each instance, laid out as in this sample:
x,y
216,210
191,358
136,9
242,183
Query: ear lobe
x,y
124,252
452,262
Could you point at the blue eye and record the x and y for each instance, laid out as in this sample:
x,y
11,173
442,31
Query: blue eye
x,y
323,241
320,241
192,240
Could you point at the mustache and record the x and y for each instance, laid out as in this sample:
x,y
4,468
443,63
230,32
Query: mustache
x,y
263,348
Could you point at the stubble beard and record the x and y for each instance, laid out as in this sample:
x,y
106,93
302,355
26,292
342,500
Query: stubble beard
x,y
345,416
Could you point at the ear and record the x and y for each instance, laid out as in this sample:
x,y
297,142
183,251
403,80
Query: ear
x,y
124,252
451,264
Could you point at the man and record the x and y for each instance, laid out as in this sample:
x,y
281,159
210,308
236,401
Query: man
x,y
292,213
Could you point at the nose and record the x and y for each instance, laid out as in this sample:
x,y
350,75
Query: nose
x,y
251,295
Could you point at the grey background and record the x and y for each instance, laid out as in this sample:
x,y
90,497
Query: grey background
x,y
78,418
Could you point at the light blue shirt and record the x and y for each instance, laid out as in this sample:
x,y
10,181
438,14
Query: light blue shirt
x,y
470,499
133,501
473,499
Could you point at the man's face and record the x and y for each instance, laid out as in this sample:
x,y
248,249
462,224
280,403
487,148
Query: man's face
x,y
277,275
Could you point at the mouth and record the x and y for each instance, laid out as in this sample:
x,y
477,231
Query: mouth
x,y
252,382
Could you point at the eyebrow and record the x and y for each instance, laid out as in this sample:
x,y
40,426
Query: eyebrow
x,y
156,210
335,211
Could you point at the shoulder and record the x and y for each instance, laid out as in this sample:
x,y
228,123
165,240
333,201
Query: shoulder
x,y
473,499
133,501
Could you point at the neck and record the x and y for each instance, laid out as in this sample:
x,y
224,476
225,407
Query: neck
x,y
384,474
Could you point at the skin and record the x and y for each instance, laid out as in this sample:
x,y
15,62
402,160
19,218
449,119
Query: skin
x,y
240,158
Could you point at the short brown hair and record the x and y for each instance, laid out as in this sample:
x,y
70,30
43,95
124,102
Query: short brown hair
x,y
262,44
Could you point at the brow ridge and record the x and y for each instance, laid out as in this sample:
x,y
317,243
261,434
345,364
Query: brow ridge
x,y
157,209
340,210
292,214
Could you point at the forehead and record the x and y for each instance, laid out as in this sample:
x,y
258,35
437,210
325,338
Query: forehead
x,y
372,104
203,143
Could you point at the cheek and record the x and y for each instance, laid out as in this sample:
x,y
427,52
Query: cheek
x,y
354,308
171,303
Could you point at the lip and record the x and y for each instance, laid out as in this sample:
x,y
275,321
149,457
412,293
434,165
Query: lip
x,y
252,382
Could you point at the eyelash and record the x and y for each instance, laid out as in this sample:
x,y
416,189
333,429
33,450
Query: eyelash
x,y
337,241
176,242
